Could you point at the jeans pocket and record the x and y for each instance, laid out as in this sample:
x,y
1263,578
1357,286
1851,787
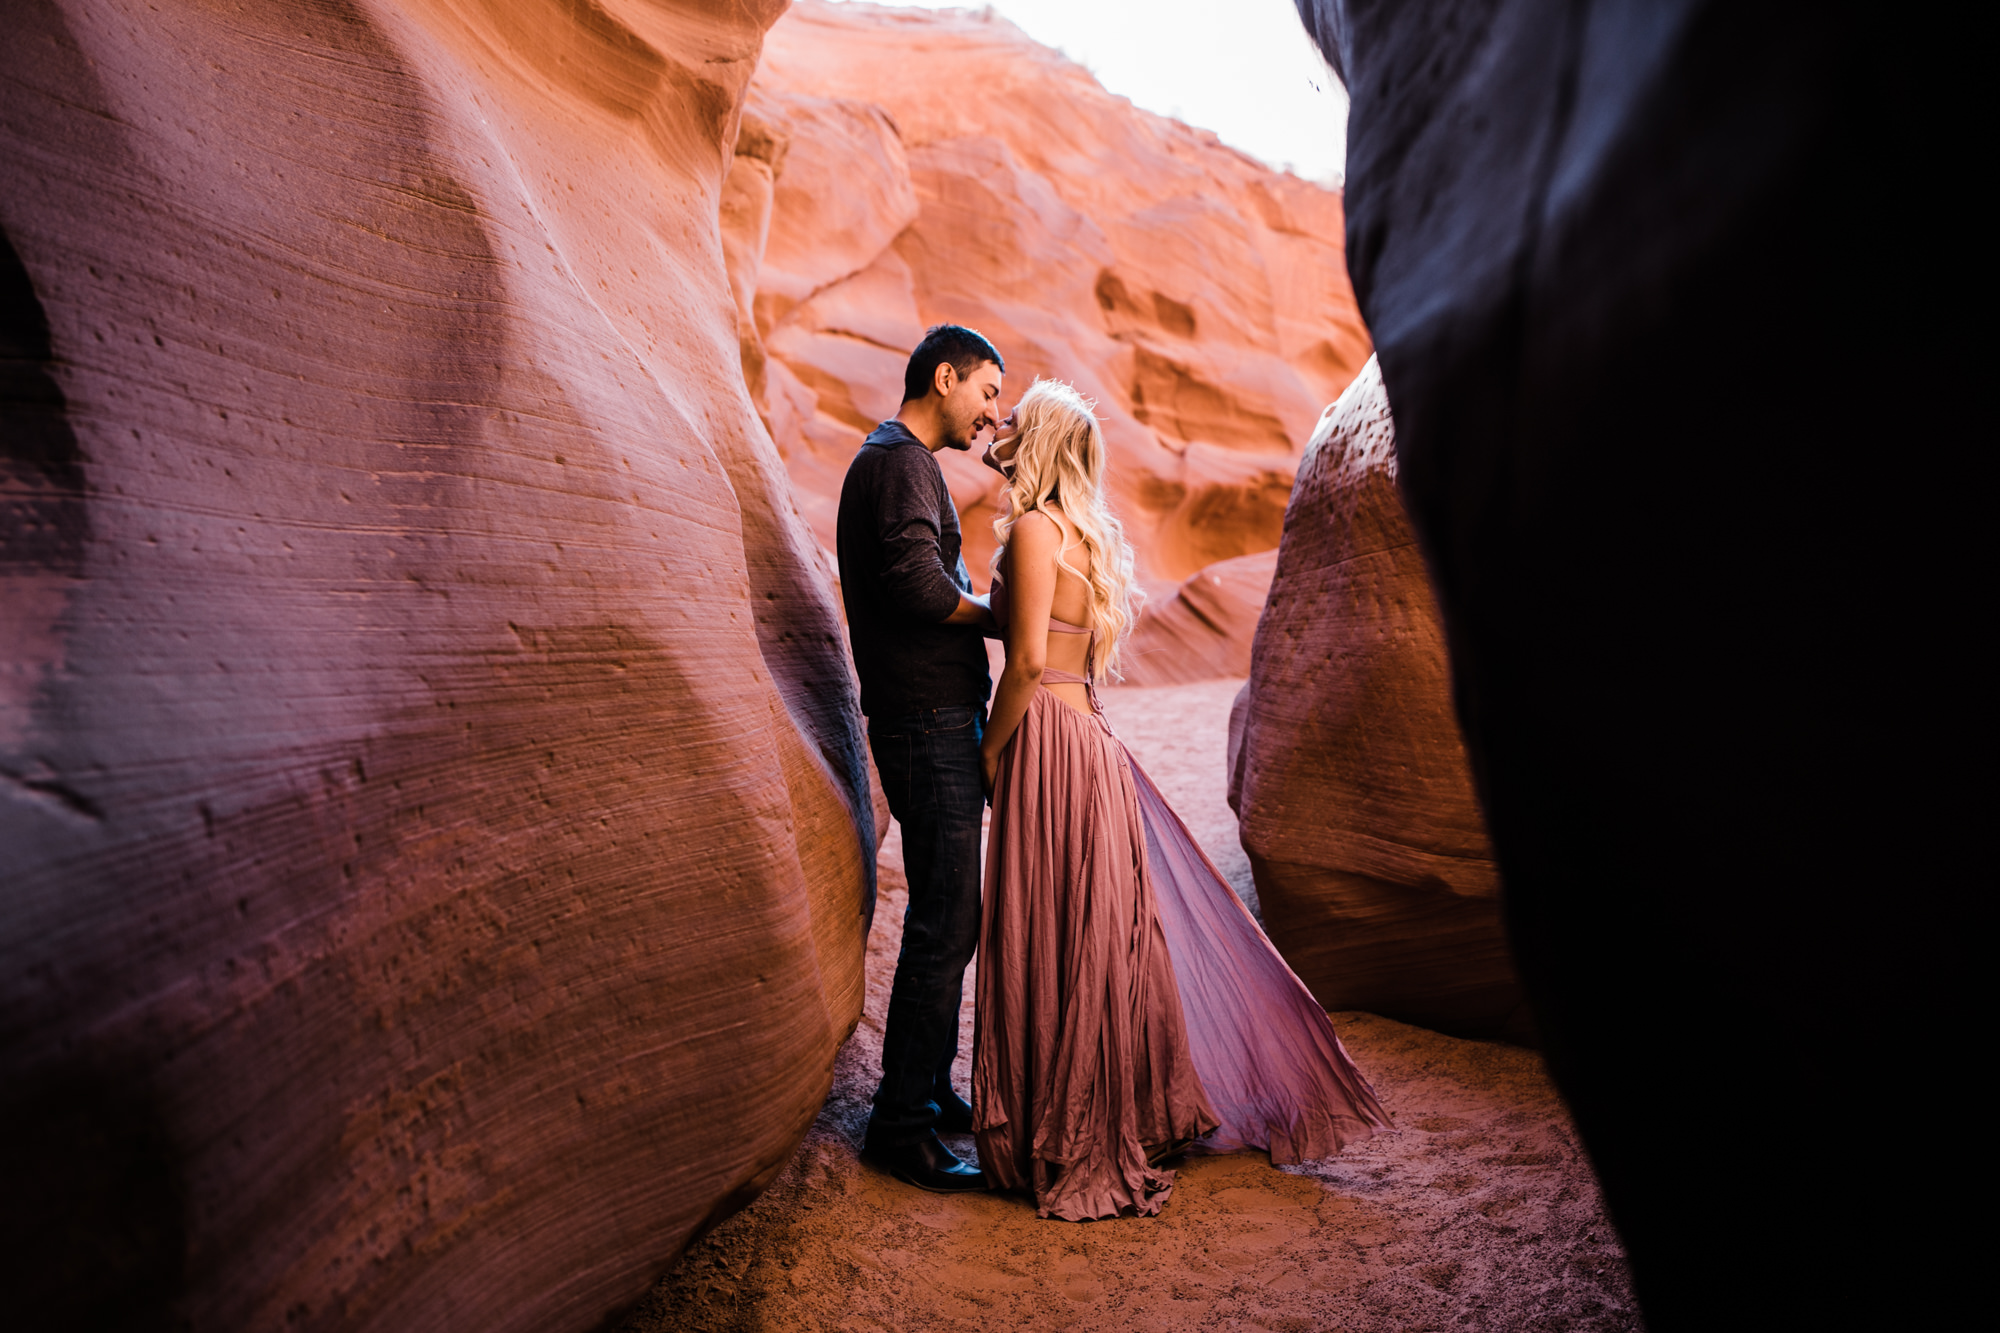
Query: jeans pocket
x,y
953,719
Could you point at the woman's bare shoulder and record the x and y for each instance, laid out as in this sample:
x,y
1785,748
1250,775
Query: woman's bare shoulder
x,y
1035,531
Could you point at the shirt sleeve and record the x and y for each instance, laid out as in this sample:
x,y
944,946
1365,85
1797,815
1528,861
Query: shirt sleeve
x,y
913,570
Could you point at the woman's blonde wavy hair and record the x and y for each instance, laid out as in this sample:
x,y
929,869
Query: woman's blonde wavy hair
x,y
1059,458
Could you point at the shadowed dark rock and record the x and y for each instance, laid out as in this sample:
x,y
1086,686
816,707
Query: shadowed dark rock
x,y
1663,296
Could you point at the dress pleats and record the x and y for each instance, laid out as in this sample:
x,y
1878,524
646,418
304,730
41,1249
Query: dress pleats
x,y
1080,1060
1126,1002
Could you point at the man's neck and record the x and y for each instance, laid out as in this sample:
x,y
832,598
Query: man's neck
x,y
921,419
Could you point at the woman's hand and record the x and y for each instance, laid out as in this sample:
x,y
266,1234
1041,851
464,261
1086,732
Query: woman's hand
x,y
989,771
999,454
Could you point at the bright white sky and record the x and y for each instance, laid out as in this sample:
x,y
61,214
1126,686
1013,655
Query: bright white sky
x,y
1243,68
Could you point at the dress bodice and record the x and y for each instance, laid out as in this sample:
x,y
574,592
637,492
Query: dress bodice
x,y
998,602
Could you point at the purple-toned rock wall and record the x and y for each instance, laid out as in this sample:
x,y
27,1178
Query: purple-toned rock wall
x,y
437,844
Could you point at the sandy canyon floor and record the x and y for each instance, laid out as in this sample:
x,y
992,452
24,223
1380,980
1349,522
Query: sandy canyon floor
x,y
1481,1212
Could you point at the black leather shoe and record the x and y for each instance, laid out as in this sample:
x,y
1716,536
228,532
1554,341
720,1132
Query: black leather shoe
x,y
928,1165
954,1114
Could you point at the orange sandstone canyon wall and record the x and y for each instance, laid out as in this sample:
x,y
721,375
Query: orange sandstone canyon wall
x,y
436,833
898,168
1347,768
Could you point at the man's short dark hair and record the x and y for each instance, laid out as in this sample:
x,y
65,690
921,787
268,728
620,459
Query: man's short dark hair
x,y
966,350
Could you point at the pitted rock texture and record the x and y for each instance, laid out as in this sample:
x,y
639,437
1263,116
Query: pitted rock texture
x,y
1347,769
437,838
898,168
1714,615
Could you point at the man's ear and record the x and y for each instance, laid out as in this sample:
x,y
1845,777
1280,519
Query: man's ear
x,y
944,379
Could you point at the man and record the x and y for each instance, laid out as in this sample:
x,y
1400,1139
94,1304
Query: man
x,y
918,637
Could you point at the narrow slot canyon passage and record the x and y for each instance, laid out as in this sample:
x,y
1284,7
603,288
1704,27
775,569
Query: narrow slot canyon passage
x,y
1480,1212
440,806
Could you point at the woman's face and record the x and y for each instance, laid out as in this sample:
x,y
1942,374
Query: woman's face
x,y
999,454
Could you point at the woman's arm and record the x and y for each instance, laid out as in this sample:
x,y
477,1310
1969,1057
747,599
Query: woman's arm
x,y
1030,571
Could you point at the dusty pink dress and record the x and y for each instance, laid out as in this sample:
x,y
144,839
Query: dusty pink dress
x,y
1126,1000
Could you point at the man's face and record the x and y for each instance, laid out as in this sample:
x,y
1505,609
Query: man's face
x,y
971,405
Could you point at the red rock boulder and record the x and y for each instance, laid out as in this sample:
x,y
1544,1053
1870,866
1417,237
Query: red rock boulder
x,y
1347,769
435,819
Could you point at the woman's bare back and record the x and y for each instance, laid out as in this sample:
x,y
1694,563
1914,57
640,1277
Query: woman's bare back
x,y
1067,652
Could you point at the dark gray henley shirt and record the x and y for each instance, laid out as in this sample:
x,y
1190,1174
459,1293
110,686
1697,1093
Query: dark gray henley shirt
x,y
901,574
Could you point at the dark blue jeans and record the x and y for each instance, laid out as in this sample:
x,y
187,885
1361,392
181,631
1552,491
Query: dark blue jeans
x,y
929,764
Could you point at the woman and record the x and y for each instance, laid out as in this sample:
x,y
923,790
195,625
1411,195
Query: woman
x,y
1127,1005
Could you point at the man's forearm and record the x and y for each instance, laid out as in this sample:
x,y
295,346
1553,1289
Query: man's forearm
x,y
916,579
971,611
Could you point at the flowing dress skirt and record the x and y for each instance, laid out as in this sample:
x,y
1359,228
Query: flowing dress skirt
x,y
1126,1000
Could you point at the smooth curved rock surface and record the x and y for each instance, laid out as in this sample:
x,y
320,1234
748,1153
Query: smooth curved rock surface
x,y
1198,296
437,836
1347,769
1709,549
1203,631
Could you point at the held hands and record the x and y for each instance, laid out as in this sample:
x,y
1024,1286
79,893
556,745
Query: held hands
x,y
989,771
